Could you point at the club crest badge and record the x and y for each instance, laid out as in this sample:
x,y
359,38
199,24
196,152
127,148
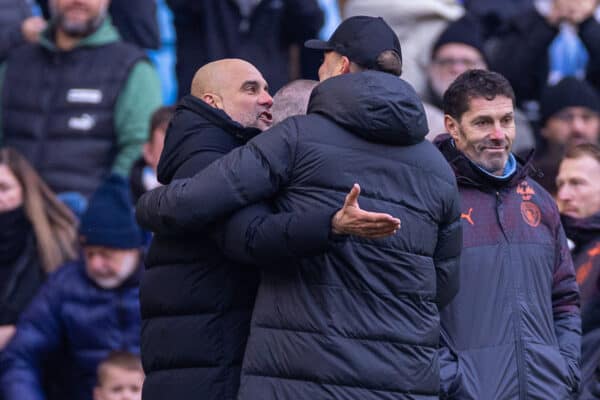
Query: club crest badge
x,y
529,210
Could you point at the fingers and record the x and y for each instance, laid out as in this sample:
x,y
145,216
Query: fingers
x,y
352,197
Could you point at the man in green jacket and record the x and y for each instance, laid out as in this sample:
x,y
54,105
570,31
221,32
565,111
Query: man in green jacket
x,y
78,103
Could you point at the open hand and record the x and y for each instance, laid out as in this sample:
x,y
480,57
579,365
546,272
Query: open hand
x,y
351,220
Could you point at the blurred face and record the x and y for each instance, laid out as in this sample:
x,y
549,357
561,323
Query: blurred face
x,y
78,18
11,193
153,149
579,187
331,66
245,97
485,132
573,125
120,384
449,62
110,267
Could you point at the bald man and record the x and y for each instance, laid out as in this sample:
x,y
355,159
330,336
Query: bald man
x,y
196,300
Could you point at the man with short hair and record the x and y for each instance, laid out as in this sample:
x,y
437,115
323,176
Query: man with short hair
x,y
458,48
77,104
361,318
569,114
292,99
513,331
578,199
85,310
199,284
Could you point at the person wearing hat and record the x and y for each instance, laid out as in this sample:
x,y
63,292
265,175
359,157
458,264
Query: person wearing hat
x,y
360,320
85,309
570,114
460,47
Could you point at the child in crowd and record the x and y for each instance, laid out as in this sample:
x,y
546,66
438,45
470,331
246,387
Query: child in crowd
x,y
120,377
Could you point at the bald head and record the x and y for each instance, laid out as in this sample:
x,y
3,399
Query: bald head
x,y
292,99
236,87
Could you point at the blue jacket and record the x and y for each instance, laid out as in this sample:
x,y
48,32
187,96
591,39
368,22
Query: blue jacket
x,y
359,321
513,331
69,327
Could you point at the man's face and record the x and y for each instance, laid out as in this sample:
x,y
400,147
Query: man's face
x,y
331,65
578,186
78,18
153,149
245,98
485,132
11,192
449,61
572,125
120,384
110,267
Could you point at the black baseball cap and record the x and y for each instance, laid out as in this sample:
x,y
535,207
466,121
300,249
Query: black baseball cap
x,y
362,39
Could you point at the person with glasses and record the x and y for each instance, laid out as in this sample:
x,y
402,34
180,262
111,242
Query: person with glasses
x,y
460,48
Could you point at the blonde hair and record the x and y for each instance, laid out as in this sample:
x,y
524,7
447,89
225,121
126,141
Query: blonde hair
x,y
54,224
121,359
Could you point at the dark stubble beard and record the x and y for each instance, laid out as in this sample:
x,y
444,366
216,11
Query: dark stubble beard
x,y
79,29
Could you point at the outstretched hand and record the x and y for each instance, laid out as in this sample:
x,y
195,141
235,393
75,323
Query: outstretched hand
x,y
351,220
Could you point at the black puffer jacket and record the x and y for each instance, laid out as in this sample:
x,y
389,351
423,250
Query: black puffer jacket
x,y
360,321
196,303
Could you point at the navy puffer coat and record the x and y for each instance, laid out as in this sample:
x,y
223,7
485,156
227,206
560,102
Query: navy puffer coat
x,y
361,320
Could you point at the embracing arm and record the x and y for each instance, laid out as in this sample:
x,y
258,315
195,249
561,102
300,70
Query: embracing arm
x,y
256,235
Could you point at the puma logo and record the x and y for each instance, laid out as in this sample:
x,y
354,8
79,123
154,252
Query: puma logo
x,y
467,216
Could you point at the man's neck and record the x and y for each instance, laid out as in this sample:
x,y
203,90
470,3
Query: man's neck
x,y
64,41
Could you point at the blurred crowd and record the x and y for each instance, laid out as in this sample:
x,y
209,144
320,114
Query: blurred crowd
x,y
88,89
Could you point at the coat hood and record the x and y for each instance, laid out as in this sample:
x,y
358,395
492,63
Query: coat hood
x,y
376,106
183,138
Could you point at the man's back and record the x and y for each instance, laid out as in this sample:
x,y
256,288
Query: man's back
x,y
365,313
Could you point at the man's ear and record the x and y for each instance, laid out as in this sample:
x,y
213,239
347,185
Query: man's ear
x,y
451,126
212,100
344,65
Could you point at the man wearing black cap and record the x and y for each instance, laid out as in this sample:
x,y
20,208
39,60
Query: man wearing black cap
x,y
86,308
360,43
361,319
570,114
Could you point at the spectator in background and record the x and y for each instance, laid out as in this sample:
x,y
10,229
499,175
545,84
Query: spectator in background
x,y
417,25
523,50
143,173
292,99
17,25
514,330
120,377
135,20
259,31
570,114
86,308
78,104
459,48
38,235
578,199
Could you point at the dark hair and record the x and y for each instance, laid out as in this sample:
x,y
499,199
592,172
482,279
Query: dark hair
x,y
583,149
121,359
387,61
473,84
160,117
